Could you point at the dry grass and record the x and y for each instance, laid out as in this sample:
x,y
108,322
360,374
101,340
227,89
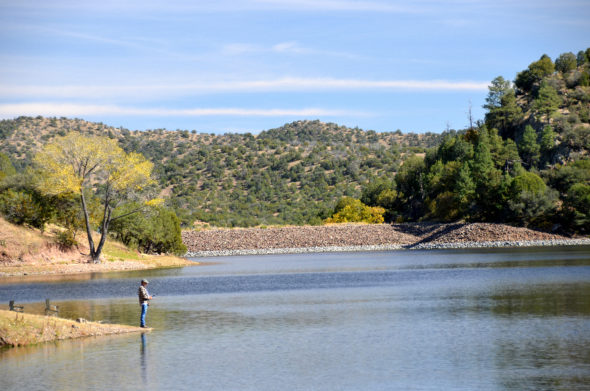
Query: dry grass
x,y
25,251
17,329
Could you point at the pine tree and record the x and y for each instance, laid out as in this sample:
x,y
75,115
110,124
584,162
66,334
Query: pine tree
x,y
547,101
528,148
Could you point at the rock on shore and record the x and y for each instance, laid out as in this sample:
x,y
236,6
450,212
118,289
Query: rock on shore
x,y
364,237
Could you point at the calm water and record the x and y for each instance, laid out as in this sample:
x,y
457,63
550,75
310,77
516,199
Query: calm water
x,y
401,320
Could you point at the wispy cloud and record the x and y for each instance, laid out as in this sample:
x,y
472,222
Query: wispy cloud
x,y
281,48
73,110
240,86
142,6
337,5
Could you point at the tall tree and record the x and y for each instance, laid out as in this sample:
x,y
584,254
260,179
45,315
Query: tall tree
x,y
528,148
505,117
74,164
547,101
496,90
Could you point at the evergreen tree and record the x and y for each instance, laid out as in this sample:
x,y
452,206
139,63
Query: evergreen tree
x,y
528,148
497,89
547,101
581,58
465,189
507,117
547,143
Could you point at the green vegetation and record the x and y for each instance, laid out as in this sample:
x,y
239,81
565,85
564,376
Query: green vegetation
x,y
155,229
526,163
290,175
74,165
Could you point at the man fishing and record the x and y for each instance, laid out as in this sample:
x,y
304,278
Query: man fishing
x,y
144,300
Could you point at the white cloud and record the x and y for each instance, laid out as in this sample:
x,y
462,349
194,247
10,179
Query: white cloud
x,y
287,84
337,5
77,110
143,6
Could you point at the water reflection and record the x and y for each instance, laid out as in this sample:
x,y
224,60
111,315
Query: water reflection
x,y
143,358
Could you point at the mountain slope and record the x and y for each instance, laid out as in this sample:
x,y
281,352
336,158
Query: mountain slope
x,y
287,175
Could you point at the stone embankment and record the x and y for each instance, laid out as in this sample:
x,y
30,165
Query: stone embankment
x,y
362,237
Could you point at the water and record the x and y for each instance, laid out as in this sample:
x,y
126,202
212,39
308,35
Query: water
x,y
401,320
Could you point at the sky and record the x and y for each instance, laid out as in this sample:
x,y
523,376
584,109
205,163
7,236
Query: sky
x,y
219,66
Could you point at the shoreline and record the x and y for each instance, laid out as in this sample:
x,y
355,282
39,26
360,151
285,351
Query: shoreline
x,y
351,237
391,247
22,329
30,270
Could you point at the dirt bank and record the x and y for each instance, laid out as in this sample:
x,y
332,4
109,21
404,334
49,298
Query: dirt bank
x,y
28,251
19,329
351,235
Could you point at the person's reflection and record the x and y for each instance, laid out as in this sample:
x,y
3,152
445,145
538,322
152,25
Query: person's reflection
x,y
143,358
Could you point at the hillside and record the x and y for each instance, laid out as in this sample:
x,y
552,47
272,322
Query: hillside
x,y
287,175
33,252
518,165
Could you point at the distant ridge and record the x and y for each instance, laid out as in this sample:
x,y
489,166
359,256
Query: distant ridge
x,y
288,175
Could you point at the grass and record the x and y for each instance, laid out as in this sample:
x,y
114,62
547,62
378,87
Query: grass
x,y
27,251
19,329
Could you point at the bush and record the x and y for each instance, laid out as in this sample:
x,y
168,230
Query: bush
x,y
351,210
65,239
22,208
151,229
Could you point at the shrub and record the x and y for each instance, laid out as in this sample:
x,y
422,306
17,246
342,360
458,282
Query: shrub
x,y
22,208
65,239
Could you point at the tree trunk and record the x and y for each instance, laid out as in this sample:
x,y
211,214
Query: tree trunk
x,y
103,235
88,229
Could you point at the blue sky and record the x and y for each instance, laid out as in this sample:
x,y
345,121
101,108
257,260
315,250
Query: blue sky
x,y
249,65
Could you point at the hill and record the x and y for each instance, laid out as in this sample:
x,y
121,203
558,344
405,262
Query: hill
x,y
525,163
287,175
33,252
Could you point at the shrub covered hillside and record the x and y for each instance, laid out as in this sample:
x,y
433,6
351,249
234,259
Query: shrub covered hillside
x,y
290,175
528,163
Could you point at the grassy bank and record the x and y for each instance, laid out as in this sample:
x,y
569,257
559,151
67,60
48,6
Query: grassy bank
x,y
18,329
26,251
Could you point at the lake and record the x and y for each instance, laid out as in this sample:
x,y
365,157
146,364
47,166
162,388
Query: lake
x,y
489,319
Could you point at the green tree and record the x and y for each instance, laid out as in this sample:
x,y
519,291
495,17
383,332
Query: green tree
x,y
75,163
577,204
566,62
155,230
581,58
6,167
535,73
528,148
547,143
507,117
496,90
411,186
489,196
543,67
547,101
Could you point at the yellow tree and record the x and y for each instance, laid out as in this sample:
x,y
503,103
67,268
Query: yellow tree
x,y
76,163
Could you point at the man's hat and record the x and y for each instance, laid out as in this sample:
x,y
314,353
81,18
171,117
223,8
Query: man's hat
x,y
145,281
